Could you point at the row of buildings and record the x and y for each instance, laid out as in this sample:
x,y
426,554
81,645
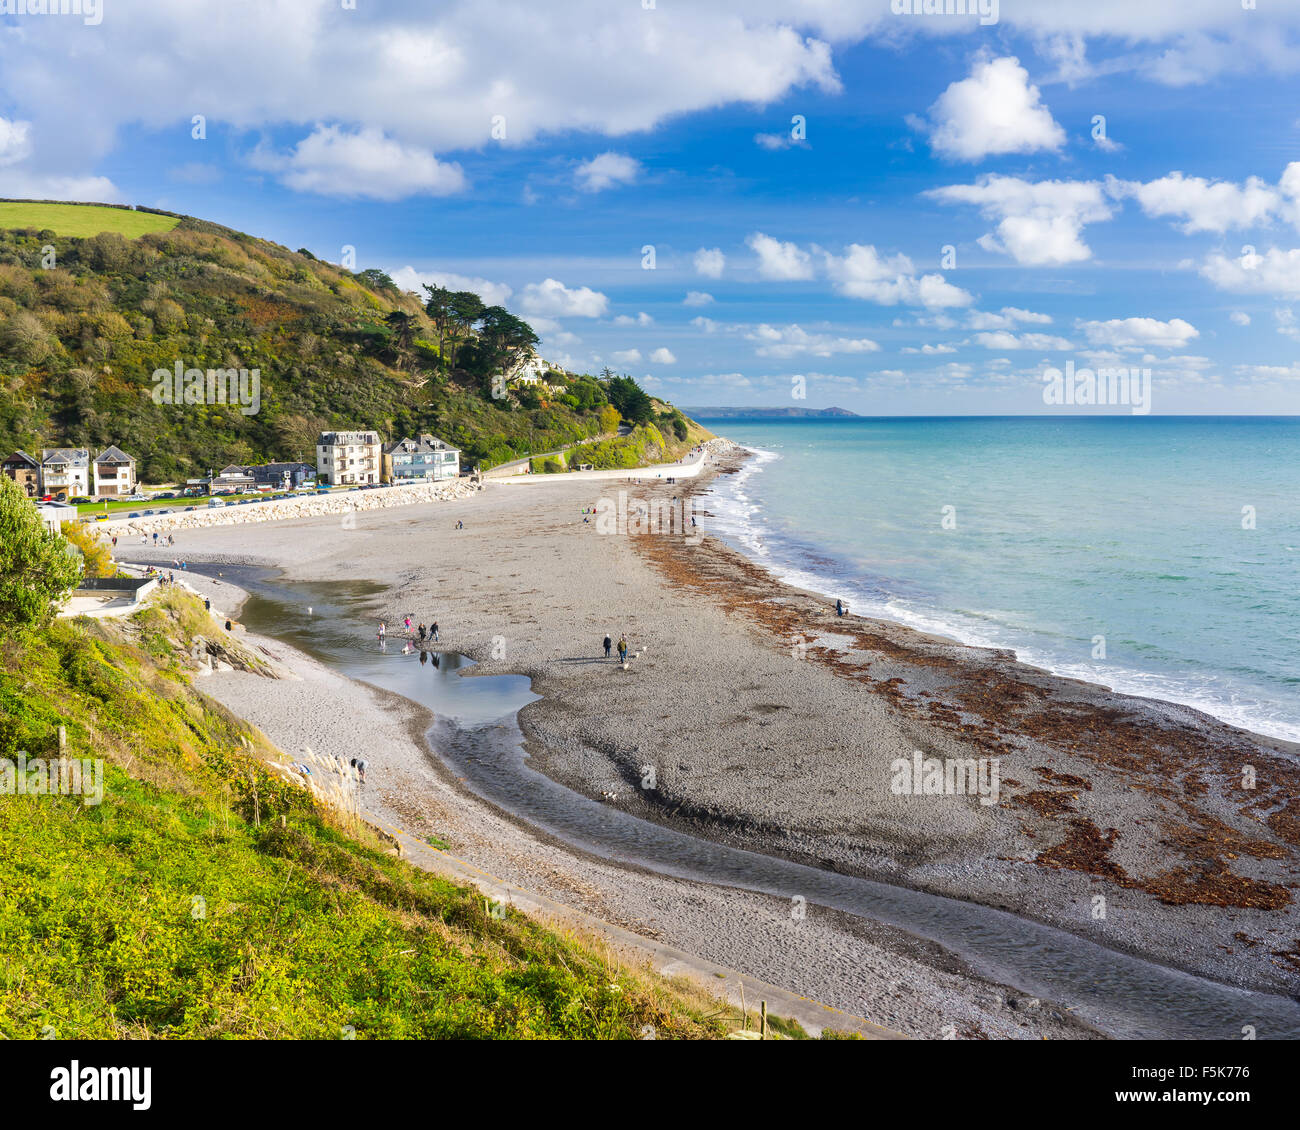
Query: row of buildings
x,y
69,472
342,459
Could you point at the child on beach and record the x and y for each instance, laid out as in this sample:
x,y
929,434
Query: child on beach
x,y
383,629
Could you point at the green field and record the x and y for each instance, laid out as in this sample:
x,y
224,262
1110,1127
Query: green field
x,y
81,220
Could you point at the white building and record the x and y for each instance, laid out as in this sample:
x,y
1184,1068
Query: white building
x,y
424,459
533,371
65,472
348,458
114,474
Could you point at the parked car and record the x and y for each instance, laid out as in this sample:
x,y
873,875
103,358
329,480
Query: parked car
x,y
188,509
133,515
101,517
167,494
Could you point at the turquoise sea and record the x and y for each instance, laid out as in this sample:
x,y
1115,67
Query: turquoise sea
x,y
1173,543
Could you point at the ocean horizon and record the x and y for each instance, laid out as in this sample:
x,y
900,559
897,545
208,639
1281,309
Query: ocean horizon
x,y
1155,555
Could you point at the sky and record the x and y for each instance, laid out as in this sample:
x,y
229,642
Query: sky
x,y
771,202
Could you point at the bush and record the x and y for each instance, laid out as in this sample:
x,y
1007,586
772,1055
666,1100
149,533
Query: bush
x,y
36,569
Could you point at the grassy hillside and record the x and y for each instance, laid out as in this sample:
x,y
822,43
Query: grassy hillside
x,y
206,897
81,220
79,343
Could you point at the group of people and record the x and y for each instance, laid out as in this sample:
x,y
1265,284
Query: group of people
x,y
429,634
622,648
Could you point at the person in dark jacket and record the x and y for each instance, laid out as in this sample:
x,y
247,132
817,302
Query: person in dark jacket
x,y
609,644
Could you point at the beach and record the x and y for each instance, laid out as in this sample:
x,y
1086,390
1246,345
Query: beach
x,y
752,716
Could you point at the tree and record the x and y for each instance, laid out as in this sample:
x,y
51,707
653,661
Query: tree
x,y
506,339
631,400
96,558
439,310
609,419
36,569
376,279
466,309
402,327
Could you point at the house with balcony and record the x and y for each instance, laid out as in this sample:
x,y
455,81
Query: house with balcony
x,y
114,474
348,458
425,459
25,471
65,472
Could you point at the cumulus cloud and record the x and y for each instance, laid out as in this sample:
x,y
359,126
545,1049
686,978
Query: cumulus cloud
x,y
777,260
1004,339
1007,318
1239,318
1037,222
408,278
710,262
788,341
994,111
15,142
663,356
606,171
862,272
697,298
553,299
642,319
1274,272
366,164
1140,333
1202,205
626,356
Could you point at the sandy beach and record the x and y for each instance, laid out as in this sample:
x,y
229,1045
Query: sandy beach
x,y
765,722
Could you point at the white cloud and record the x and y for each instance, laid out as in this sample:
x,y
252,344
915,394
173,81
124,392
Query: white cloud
x,y
408,278
777,260
366,164
1202,205
697,298
863,273
15,142
606,171
710,262
663,357
1286,323
1140,333
1004,339
996,110
708,325
642,319
1037,222
1008,318
928,350
626,356
23,185
788,341
1275,272
1240,318
552,298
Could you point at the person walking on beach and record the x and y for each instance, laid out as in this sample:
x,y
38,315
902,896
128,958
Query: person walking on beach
x,y
622,649
839,608
434,631
207,604
423,633
407,622
608,644
383,629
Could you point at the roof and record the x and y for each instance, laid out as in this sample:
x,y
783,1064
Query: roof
x,y
115,455
22,457
421,444
334,439
78,456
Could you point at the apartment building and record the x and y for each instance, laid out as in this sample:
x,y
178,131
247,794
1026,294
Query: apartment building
x,y
348,458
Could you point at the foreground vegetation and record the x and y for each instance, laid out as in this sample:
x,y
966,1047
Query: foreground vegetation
x,y
206,896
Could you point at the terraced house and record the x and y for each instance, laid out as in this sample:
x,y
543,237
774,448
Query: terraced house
x,y
348,458
25,471
114,474
65,472
423,459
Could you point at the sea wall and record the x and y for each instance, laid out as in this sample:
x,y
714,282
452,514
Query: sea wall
x,y
308,506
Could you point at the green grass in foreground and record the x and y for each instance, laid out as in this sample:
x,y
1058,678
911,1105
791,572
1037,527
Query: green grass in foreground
x,y
206,897
81,220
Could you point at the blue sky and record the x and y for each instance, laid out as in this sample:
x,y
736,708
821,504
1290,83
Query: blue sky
x,y
327,127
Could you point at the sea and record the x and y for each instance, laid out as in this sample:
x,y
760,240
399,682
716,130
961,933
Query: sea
x,y
1158,556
